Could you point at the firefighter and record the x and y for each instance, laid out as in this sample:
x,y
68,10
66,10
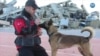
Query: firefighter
x,y
27,32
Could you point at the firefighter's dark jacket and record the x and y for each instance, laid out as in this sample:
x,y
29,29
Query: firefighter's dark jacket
x,y
24,27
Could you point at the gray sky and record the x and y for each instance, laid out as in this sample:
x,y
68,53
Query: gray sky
x,y
86,3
